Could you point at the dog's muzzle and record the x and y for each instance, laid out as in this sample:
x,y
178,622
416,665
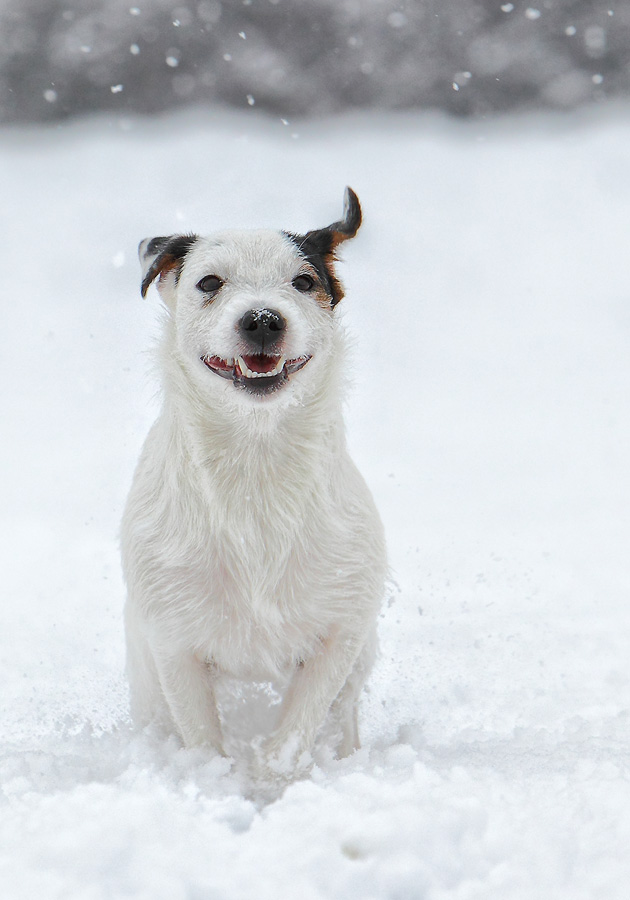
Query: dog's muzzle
x,y
257,373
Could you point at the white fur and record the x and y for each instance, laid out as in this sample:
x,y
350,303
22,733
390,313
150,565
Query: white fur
x,y
251,544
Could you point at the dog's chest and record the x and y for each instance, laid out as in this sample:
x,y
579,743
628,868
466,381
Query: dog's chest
x,y
259,618
260,607
245,557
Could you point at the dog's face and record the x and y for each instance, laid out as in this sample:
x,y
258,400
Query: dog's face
x,y
253,310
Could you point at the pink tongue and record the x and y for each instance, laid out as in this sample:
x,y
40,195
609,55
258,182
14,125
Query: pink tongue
x,y
261,362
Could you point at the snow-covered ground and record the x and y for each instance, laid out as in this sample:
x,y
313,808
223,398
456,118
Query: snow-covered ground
x,y
488,297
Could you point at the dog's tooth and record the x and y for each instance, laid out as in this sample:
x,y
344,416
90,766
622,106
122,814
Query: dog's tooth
x,y
245,370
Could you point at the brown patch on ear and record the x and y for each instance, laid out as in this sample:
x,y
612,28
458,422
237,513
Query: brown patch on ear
x,y
323,298
171,256
169,263
337,291
319,246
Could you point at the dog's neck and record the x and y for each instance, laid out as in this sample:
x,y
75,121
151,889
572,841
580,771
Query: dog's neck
x,y
273,456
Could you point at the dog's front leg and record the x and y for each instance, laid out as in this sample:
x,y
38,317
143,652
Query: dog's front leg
x,y
314,687
188,684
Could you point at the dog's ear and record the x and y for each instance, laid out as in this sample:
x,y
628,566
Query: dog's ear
x,y
319,246
160,255
347,227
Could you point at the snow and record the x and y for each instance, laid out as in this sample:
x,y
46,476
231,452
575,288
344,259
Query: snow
x,y
488,303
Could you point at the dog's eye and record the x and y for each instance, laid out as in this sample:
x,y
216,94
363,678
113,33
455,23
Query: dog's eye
x,y
303,283
210,284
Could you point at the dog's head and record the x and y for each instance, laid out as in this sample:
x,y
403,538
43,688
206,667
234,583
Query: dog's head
x,y
253,310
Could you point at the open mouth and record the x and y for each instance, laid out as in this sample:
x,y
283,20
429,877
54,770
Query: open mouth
x,y
258,374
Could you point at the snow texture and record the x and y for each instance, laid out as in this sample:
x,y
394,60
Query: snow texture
x,y
488,301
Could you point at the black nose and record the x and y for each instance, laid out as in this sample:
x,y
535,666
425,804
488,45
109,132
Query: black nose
x,y
262,328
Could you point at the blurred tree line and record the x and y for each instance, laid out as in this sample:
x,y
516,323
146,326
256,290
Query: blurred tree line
x,y
301,57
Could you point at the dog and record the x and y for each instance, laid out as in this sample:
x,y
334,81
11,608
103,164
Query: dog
x,y
251,545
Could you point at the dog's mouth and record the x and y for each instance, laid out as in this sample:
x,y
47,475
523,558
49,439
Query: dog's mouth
x,y
258,374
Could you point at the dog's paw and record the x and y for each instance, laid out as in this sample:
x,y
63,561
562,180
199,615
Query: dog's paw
x,y
276,764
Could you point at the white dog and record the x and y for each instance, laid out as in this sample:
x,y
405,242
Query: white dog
x,y
251,544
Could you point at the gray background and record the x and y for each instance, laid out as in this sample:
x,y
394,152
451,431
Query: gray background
x,y
60,58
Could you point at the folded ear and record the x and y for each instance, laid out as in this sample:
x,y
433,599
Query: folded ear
x,y
319,246
160,255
